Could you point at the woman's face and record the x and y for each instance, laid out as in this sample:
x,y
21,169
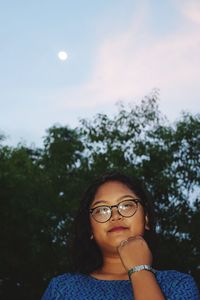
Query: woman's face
x,y
108,235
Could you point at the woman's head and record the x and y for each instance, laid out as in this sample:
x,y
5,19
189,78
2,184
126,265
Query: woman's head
x,y
116,214
92,238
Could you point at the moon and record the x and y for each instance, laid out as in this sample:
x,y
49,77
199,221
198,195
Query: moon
x,y
62,55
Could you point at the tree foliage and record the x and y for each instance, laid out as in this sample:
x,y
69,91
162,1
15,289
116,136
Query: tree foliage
x,y
40,190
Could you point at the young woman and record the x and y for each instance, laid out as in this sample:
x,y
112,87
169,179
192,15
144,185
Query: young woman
x,y
112,249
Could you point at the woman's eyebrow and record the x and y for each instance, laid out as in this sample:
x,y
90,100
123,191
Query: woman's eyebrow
x,y
99,201
121,198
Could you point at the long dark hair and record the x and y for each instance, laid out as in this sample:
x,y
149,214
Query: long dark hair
x,y
85,254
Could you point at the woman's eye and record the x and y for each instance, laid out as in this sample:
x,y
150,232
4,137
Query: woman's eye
x,y
127,205
101,210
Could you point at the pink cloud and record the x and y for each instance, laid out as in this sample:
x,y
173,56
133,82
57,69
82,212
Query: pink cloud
x,y
131,63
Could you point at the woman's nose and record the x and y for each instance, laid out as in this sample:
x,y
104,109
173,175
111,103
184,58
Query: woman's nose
x,y
115,214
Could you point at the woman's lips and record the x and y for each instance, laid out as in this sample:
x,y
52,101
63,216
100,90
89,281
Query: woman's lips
x,y
119,228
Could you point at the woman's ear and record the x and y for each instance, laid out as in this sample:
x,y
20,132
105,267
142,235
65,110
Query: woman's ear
x,y
147,223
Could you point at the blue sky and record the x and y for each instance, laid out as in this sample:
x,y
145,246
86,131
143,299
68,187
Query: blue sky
x,y
118,50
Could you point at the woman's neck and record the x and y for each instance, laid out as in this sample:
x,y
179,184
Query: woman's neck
x,y
112,269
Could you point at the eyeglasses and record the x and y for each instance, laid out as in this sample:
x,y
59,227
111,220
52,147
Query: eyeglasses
x,y
126,208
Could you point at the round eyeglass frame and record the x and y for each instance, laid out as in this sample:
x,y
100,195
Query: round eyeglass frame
x,y
136,201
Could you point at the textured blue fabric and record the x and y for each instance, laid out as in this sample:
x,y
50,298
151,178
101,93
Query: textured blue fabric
x,y
175,285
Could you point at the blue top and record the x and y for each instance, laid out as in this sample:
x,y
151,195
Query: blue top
x,y
175,285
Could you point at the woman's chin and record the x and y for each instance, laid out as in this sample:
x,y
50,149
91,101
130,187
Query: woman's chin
x,y
117,239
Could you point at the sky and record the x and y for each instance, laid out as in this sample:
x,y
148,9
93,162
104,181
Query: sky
x,y
117,51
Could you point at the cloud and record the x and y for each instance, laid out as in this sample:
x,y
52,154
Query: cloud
x,y
131,63
191,10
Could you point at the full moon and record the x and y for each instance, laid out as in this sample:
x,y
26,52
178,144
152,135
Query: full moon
x,y
62,55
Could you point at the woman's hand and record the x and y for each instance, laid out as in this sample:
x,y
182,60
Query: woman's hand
x,y
134,252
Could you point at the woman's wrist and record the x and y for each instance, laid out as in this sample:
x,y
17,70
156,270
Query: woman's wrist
x,y
140,268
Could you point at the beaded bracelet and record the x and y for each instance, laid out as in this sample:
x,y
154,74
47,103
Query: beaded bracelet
x,y
140,268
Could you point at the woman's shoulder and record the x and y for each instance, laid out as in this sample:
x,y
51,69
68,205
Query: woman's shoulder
x,y
173,275
177,283
65,285
67,278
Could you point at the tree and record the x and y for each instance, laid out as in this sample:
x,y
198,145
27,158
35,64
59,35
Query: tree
x,y
38,189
